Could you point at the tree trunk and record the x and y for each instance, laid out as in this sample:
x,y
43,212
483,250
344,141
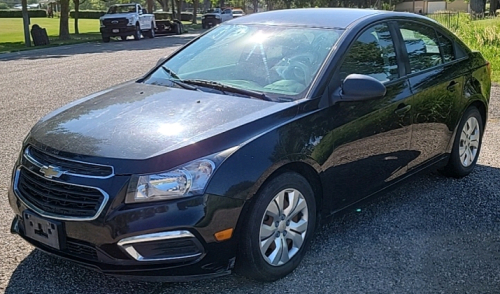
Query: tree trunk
x,y
77,9
150,6
64,21
195,9
173,10
26,24
255,5
493,7
179,10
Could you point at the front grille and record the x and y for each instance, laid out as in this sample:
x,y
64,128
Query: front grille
x,y
76,248
69,166
59,198
210,16
120,22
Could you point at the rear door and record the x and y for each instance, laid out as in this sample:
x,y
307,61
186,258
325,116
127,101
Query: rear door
x,y
436,80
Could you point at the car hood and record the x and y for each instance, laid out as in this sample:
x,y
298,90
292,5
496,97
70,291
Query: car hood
x,y
138,121
118,15
212,13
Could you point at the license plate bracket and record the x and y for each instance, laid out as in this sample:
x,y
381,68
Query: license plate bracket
x,y
116,30
42,230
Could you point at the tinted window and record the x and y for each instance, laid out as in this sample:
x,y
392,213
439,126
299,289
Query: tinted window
x,y
421,43
372,54
446,47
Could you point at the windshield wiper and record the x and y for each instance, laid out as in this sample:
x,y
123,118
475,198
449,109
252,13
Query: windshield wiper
x,y
224,88
176,80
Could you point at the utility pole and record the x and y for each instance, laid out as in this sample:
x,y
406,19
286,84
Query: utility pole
x,y
26,23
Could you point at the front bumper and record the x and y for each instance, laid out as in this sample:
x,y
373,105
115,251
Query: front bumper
x,y
118,31
119,242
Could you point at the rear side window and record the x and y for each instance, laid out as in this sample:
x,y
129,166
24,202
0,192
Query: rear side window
x,y
446,47
372,54
422,46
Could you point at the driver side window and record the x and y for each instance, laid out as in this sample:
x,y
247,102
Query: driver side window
x,y
372,54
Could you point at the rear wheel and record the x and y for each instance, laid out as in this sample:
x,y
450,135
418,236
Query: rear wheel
x,y
467,144
278,228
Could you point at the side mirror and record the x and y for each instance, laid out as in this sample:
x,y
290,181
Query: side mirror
x,y
358,87
161,60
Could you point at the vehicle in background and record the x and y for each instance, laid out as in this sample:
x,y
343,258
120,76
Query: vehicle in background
x,y
215,16
123,20
237,12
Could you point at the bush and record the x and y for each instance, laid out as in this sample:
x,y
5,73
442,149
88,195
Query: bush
x,y
19,14
4,6
88,14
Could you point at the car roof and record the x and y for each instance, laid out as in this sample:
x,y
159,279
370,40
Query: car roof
x,y
315,17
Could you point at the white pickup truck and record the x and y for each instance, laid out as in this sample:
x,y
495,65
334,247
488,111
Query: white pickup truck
x,y
125,20
215,16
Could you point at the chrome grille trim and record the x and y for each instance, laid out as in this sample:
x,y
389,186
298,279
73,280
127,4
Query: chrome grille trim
x,y
50,215
35,162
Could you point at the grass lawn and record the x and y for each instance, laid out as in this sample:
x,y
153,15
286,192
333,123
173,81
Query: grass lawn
x,y
12,32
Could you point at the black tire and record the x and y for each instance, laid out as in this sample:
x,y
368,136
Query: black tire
x,y
250,261
123,38
106,39
457,166
152,31
203,26
137,33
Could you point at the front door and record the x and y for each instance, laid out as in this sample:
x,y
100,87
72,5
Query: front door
x,y
368,145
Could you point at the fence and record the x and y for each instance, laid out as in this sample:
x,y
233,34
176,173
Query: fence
x,y
449,19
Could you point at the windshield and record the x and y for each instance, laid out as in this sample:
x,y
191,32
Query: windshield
x,y
121,9
278,61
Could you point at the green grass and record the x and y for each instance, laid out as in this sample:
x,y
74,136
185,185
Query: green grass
x,y
12,32
483,36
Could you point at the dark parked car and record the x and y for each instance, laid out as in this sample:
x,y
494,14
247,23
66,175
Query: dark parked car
x,y
229,152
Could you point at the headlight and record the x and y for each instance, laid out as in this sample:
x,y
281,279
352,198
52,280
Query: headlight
x,y
186,180
131,21
217,16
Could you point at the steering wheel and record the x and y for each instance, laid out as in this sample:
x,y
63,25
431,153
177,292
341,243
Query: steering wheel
x,y
298,71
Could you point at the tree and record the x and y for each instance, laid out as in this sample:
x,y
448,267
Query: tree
x,y
64,20
494,5
77,10
195,10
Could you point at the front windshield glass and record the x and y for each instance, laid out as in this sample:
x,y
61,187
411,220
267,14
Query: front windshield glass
x,y
121,9
276,60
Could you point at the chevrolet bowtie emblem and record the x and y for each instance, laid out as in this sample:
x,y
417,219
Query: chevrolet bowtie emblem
x,y
51,171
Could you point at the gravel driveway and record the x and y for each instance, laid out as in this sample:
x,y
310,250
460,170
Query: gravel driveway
x,y
432,235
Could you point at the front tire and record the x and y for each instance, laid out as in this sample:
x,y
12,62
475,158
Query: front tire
x,y
467,144
137,33
277,229
106,39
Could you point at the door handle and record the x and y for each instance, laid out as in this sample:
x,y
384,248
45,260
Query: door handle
x,y
452,86
402,109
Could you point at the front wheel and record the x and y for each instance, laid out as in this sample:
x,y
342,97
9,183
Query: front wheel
x,y
106,39
278,228
137,33
467,144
